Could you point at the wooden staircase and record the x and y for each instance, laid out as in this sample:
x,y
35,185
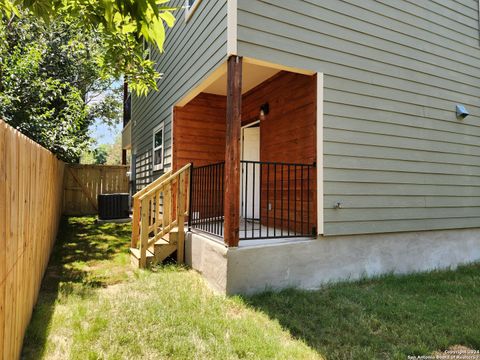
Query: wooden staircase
x,y
158,227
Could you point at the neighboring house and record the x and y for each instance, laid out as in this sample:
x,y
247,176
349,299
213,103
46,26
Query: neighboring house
x,y
346,126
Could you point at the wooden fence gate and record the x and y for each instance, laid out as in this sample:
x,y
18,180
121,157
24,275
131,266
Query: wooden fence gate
x,y
82,184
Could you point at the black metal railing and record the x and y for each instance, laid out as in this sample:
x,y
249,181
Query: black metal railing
x,y
206,201
277,200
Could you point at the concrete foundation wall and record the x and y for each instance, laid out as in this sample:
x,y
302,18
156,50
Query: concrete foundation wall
x,y
209,258
309,264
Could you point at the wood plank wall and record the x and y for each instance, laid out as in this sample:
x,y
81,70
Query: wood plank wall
x,y
83,183
287,134
31,186
199,131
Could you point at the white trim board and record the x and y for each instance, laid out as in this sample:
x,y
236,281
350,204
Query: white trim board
x,y
269,64
232,26
190,10
320,215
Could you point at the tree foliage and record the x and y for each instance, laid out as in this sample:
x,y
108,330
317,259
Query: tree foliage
x,y
49,77
100,154
120,27
115,152
108,154
57,56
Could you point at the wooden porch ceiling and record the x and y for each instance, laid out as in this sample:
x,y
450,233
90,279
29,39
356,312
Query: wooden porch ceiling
x,y
252,76
254,73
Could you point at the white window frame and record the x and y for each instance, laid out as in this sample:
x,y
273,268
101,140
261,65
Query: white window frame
x,y
189,10
158,167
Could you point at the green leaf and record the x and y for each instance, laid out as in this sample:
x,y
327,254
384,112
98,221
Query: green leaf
x,y
129,28
158,33
117,27
168,17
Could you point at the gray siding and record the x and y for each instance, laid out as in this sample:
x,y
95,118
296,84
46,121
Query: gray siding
x,y
394,153
193,49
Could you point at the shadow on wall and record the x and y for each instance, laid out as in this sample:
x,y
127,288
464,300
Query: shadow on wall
x,y
80,245
389,317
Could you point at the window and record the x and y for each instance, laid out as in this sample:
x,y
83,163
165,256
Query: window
x,y
190,6
158,143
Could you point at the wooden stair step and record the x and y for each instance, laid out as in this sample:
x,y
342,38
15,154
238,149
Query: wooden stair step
x,y
163,249
135,257
156,248
163,242
172,236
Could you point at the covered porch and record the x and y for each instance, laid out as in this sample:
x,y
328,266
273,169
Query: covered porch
x,y
250,132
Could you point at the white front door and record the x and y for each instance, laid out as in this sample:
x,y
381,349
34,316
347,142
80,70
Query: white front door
x,y
250,177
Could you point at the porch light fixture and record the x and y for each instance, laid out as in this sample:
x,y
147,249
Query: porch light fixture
x,y
264,109
462,112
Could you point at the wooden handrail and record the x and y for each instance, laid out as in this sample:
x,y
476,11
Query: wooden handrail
x,y
152,217
136,207
154,189
152,184
162,233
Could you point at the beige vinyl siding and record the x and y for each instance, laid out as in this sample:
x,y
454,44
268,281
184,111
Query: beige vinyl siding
x,y
193,50
395,155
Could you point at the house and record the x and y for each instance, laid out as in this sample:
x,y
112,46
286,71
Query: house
x,y
329,139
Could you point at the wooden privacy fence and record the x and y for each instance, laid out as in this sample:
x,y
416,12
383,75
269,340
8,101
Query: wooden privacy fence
x,y
83,183
31,185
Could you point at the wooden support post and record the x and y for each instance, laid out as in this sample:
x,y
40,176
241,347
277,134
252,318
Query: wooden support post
x,y
158,216
135,222
232,152
167,206
144,232
181,199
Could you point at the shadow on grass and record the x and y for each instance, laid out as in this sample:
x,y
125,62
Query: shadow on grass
x,y
386,318
81,245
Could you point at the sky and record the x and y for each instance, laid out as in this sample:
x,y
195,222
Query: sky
x,y
104,134
100,132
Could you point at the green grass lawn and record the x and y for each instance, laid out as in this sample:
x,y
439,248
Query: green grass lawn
x,y
93,305
386,318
